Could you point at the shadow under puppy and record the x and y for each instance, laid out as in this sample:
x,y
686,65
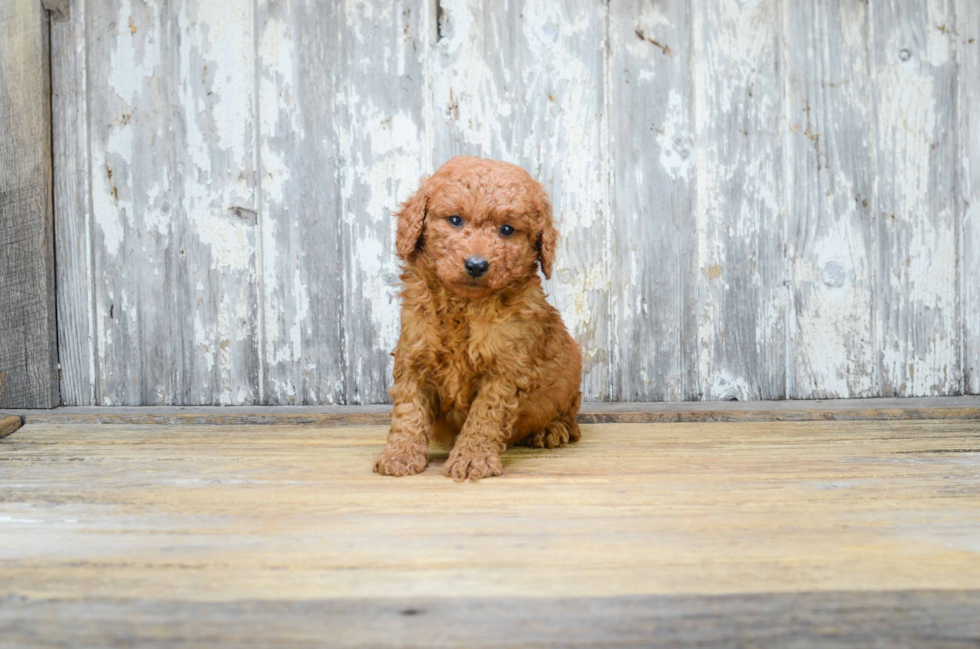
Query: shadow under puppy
x,y
483,361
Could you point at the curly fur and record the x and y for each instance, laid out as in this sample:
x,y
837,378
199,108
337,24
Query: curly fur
x,y
486,363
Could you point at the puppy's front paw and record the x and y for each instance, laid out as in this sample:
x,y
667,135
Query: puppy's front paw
x,y
398,461
471,464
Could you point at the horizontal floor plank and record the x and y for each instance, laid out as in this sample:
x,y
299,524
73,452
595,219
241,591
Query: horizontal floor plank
x,y
831,619
964,407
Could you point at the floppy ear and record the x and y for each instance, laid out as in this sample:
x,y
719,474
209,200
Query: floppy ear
x,y
547,240
411,222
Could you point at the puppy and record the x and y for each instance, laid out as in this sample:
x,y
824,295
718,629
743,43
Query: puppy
x,y
483,361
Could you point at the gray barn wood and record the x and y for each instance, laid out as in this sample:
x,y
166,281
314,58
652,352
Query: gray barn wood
x,y
740,202
383,113
655,277
967,40
911,618
73,224
769,200
28,330
919,335
302,166
830,144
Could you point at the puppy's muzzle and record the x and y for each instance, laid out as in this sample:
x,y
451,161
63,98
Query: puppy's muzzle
x,y
476,266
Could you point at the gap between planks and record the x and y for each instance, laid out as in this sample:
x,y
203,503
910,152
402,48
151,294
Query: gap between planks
x,y
881,409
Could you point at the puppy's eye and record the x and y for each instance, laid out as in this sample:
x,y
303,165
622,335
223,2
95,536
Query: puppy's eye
x,y
456,221
506,230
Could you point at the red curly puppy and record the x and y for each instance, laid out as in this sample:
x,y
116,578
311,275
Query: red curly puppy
x,y
483,361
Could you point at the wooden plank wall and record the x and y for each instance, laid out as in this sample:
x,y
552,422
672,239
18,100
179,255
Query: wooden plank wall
x,y
765,200
28,330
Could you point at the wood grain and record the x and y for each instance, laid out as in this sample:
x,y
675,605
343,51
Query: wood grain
x,y
72,210
830,149
223,514
741,197
9,424
216,301
384,126
918,333
967,407
654,274
60,9
134,195
934,618
967,37
28,326
301,250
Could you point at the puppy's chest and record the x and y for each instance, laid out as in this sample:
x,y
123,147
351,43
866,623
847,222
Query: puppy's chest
x,y
461,353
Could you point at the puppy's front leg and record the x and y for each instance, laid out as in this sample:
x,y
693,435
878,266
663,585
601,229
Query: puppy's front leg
x,y
407,450
484,436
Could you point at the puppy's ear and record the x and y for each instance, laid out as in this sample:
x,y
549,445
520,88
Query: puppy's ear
x,y
547,240
411,223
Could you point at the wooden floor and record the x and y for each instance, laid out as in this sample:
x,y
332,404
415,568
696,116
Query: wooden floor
x,y
685,534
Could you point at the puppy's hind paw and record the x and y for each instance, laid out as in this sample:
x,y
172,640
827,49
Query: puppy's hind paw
x,y
470,465
399,462
554,435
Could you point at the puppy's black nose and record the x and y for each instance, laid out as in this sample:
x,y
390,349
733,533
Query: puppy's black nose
x,y
476,266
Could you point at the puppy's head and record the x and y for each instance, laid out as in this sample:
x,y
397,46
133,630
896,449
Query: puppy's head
x,y
479,226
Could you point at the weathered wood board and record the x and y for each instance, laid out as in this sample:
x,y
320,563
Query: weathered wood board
x,y
654,278
830,140
740,201
882,409
919,334
967,39
299,133
383,126
104,524
9,424
28,328
758,200
73,224
215,300
920,618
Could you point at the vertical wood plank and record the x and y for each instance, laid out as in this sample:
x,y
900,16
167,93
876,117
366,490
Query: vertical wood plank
x,y
967,34
301,246
130,79
72,216
830,232
28,329
524,82
385,135
216,304
918,324
740,203
654,276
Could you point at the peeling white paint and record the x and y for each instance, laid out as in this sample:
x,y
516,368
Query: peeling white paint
x,y
202,177
217,104
918,338
136,57
674,139
380,179
113,213
739,197
726,386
